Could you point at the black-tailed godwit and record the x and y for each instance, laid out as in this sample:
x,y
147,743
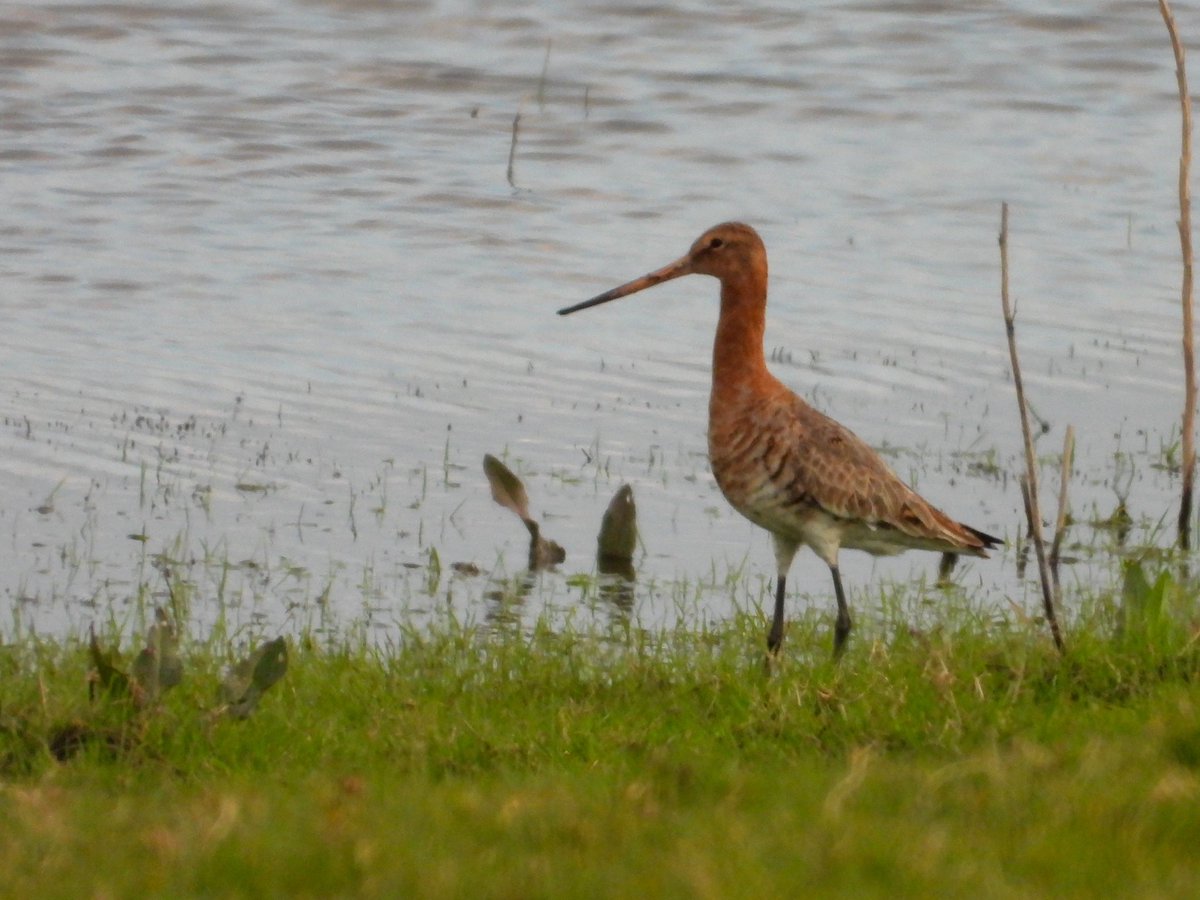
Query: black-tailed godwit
x,y
782,464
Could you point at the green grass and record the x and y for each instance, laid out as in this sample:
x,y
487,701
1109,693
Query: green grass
x,y
967,760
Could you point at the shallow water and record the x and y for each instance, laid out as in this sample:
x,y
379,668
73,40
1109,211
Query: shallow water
x,y
269,295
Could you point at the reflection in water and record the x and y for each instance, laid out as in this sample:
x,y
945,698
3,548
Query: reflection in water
x,y
616,583
505,603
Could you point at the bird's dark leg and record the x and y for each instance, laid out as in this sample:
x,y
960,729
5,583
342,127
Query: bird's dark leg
x,y
841,630
785,550
945,568
775,638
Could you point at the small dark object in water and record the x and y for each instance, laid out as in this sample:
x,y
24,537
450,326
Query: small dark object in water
x,y
618,528
509,492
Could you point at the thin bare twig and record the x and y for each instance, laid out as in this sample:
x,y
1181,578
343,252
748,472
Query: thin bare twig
x,y
1039,546
512,150
1029,482
1185,243
1060,524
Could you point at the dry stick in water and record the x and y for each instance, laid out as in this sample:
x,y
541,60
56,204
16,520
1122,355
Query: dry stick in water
x,y
512,150
1029,484
1185,242
1060,525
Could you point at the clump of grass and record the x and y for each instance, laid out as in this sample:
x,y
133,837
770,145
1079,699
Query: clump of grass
x,y
590,761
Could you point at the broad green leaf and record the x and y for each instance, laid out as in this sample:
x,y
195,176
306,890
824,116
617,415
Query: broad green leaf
x,y
433,572
104,669
145,675
246,682
271,664
170,666
1148,610
158,667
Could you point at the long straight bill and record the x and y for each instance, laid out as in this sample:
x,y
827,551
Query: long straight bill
x,y
681,266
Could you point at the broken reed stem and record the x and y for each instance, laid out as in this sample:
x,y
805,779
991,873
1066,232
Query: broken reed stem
x,y
1060,524
1029,484
512,150
1185,243
1039,548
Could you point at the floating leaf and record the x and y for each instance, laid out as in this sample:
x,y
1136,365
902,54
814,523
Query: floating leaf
x,y
247,681
252,487
1121,523
618,528
47,506
507,489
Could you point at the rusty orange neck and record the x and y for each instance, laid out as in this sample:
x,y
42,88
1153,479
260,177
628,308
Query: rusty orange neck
x,y
739,368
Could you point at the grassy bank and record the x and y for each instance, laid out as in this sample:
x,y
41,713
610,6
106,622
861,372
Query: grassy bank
x,y
968,759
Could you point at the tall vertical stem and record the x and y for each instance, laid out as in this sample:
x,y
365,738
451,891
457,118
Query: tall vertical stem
x,y
1029,483
1185,243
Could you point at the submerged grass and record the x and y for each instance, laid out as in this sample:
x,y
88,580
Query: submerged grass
x,y
967,759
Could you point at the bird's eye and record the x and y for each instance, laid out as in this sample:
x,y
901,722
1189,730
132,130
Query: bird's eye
x,y
715,244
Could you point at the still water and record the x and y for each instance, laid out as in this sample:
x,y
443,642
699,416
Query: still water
x,y
268,292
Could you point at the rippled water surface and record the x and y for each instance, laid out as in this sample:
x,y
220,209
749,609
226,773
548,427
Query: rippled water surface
x,y
268,294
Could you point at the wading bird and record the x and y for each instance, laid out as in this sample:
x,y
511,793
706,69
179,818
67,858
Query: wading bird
x,y
782,464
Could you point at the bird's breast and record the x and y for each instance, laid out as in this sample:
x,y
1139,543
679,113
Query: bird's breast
x,y
752,446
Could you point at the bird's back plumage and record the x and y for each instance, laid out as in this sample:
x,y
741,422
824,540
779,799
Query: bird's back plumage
x,y
798,473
